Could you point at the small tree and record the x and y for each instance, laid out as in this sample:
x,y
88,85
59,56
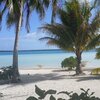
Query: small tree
x,y
69,63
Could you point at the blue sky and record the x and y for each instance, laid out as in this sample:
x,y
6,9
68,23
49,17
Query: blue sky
x,y
27,41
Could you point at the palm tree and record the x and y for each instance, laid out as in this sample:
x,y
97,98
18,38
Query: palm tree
x,y
15,12
75,31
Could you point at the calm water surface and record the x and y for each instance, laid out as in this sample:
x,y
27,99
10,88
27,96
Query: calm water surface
x,y
46,58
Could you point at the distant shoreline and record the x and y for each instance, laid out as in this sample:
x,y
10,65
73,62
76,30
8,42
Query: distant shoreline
x,y
31,50
42,50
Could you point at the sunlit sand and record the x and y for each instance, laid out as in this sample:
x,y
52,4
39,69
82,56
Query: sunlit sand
x,y
49,79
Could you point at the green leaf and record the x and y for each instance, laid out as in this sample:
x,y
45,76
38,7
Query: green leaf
x,y
82,89
65,92
52,97
39,92
92,93
31,98
75,96
61,99
50,92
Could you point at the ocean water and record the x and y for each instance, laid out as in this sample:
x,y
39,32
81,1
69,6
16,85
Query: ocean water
x,y
46,58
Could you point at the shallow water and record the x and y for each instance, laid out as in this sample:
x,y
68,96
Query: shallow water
x,y
46,58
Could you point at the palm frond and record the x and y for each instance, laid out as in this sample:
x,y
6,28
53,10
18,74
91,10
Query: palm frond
x,y
54,10
95,24
27,16
11,20
98,54
94,42
46,3
75,31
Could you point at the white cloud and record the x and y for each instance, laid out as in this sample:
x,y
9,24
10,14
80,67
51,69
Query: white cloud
x,y
30,35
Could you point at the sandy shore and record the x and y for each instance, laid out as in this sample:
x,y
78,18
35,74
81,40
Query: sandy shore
x,y
49,79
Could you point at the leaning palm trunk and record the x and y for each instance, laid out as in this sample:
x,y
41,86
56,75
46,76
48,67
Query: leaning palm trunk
x,y
15,77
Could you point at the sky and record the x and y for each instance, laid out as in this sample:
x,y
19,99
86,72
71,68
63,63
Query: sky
x,y
27,41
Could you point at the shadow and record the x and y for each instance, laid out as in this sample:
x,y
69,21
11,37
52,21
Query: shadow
x,y
84,77
41,77
29,78
91,77
80,78
62,70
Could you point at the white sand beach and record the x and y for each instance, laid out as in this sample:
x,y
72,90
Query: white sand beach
x,y
49,79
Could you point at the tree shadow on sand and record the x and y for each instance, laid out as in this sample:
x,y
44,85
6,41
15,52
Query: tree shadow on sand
x,y
35,78
90,77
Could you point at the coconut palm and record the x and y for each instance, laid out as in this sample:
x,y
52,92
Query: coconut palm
x,y
15,12
75,31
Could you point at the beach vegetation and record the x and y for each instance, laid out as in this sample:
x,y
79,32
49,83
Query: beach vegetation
x,y
75,29
84,95
69,63
95,71
6,73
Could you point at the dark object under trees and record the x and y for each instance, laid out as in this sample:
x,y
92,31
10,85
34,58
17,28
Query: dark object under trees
x,y
6,75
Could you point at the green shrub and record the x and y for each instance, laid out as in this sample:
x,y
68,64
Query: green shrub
x,y
95,71
84,95
6,73
69,63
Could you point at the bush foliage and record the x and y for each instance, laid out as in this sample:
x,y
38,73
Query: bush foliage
x,y
6,73
84,95
69,63
95,71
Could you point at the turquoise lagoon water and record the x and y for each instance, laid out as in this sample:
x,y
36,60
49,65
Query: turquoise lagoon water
x,y
46,58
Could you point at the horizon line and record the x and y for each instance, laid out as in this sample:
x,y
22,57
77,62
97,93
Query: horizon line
x,y
29,50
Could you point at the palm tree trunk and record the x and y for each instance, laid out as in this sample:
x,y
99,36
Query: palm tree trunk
x,y
78,67
15,77
15,59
